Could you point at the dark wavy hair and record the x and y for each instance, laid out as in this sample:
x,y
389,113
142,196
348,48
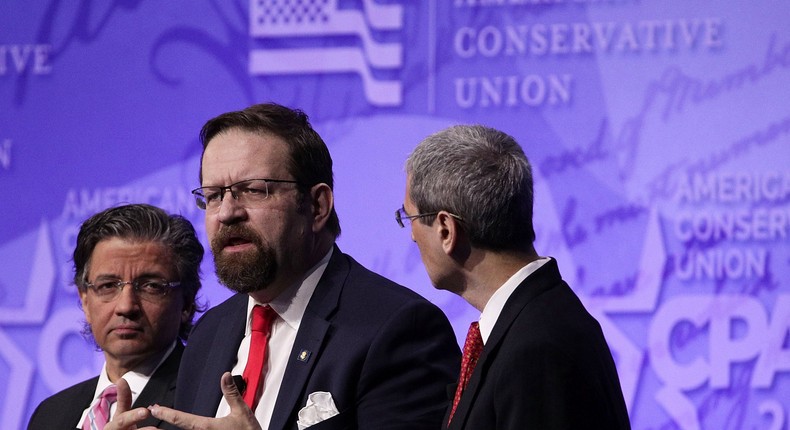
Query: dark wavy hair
x,y
145,223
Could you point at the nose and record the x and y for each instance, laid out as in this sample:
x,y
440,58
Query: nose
x,y
127,302
230,210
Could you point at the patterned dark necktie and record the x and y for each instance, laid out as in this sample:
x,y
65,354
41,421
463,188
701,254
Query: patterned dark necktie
x,y
473,346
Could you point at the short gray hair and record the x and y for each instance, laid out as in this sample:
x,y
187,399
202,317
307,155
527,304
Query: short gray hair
x,y
481,175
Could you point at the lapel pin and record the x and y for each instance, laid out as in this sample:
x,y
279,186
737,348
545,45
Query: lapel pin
x,y
304,356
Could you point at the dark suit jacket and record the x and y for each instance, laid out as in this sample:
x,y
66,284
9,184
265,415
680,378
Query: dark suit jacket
x,y
545,366
62,410
384,353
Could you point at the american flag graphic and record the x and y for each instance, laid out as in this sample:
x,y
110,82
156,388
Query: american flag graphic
x,y
299,18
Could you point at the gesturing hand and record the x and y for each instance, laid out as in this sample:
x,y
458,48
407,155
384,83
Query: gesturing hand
x,y
241,417
124,418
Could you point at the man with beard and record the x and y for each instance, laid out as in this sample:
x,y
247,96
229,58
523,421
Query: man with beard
x,y
341,345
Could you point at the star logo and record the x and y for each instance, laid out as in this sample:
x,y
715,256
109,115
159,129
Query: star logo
x,y
33,311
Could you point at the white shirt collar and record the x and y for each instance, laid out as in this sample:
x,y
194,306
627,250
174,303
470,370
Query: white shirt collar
x,y
496,303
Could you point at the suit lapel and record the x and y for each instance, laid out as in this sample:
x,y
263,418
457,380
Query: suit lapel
x,y
222,356
309,339
162,381
534,285
85,396
162,385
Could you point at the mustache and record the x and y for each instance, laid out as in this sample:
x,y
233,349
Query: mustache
x,y
226,235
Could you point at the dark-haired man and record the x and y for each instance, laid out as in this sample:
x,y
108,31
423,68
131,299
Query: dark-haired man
x,y
137,270
344,347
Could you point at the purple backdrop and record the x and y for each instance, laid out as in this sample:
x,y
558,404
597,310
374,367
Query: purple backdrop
x,y
658,132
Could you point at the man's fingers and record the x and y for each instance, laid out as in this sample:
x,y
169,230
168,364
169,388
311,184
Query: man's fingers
x,y
231,393
179,419
124,399
230,390
124,418
127,419
241,416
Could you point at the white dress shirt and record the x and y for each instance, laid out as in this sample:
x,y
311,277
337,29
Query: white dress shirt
x,y
493,308
290,307
137,379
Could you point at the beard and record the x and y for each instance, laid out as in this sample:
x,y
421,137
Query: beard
x,y
243,272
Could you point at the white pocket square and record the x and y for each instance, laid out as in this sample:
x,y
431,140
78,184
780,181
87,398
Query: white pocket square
x,y
320,407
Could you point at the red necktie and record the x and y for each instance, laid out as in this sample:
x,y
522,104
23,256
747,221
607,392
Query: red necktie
x,y
262,318
473,346
99,415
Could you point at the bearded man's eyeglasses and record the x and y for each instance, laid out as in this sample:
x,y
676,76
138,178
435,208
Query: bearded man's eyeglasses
x,y
246,192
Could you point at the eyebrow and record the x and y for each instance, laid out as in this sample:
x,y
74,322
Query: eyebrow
x,y
144,275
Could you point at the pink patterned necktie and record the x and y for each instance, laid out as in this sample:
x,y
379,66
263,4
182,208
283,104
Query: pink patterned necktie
x,y
99,415
473,346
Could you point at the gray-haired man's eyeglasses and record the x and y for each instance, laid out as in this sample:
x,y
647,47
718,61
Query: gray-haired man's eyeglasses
x,y
400,215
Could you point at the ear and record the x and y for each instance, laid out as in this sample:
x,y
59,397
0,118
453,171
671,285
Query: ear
x,y
449,232
186,313
84,303
322,201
